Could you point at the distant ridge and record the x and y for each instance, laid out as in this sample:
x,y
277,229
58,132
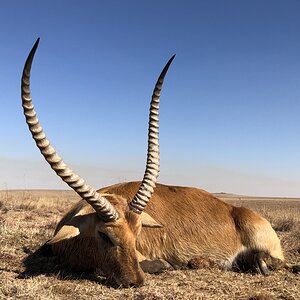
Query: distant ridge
x,y
228,196
73,196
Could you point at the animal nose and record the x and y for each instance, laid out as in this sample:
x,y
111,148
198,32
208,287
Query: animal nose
x,y
134,282
133,285
139,280
137,283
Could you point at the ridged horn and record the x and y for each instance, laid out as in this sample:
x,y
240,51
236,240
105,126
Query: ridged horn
x,y
147,186
102,206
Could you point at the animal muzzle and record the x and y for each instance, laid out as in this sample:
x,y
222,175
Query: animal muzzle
x,y
132,280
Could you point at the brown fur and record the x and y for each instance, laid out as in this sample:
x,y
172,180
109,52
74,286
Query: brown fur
x,y
195,224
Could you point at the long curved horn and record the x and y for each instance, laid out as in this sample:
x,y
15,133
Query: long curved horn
x,y
146,189
102,206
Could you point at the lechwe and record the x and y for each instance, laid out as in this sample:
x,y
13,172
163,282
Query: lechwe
x,y
117,231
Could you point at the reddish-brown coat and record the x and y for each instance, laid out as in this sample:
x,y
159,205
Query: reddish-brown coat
x,y
195,224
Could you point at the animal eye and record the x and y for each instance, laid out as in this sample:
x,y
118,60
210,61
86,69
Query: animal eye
x,y
105,238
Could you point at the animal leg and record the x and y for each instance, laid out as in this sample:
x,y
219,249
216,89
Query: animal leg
x,y
260,264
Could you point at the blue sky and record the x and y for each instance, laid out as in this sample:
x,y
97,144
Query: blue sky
x,y
229,116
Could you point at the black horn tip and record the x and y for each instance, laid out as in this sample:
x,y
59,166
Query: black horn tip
x,y
170,60
32,52
37,40
173,56
31,55
164,71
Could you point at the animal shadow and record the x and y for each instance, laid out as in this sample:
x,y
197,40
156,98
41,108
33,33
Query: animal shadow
x,y
44,262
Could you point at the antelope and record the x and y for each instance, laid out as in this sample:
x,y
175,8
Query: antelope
x,y
120,232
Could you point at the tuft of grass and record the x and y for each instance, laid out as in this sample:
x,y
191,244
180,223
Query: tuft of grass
x,y
26,205
285,224
3,208
261,296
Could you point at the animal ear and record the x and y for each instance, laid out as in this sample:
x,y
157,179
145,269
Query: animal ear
x,y
79,224
66,232
148,221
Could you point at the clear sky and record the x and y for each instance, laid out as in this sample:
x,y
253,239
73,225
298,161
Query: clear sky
x,y
230,107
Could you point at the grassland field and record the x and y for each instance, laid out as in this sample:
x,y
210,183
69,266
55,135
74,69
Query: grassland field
x,y
28,219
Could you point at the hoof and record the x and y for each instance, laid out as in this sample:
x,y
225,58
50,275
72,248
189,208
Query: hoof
x,y
154,266
296,269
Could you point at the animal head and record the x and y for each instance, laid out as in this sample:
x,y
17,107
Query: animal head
x,y
109,219
113,243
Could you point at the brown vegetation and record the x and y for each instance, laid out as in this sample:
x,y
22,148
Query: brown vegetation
x,y
28,219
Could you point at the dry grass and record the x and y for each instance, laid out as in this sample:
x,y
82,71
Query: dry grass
x,y
28,219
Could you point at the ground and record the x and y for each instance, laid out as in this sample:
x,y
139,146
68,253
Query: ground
x,y
28,219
